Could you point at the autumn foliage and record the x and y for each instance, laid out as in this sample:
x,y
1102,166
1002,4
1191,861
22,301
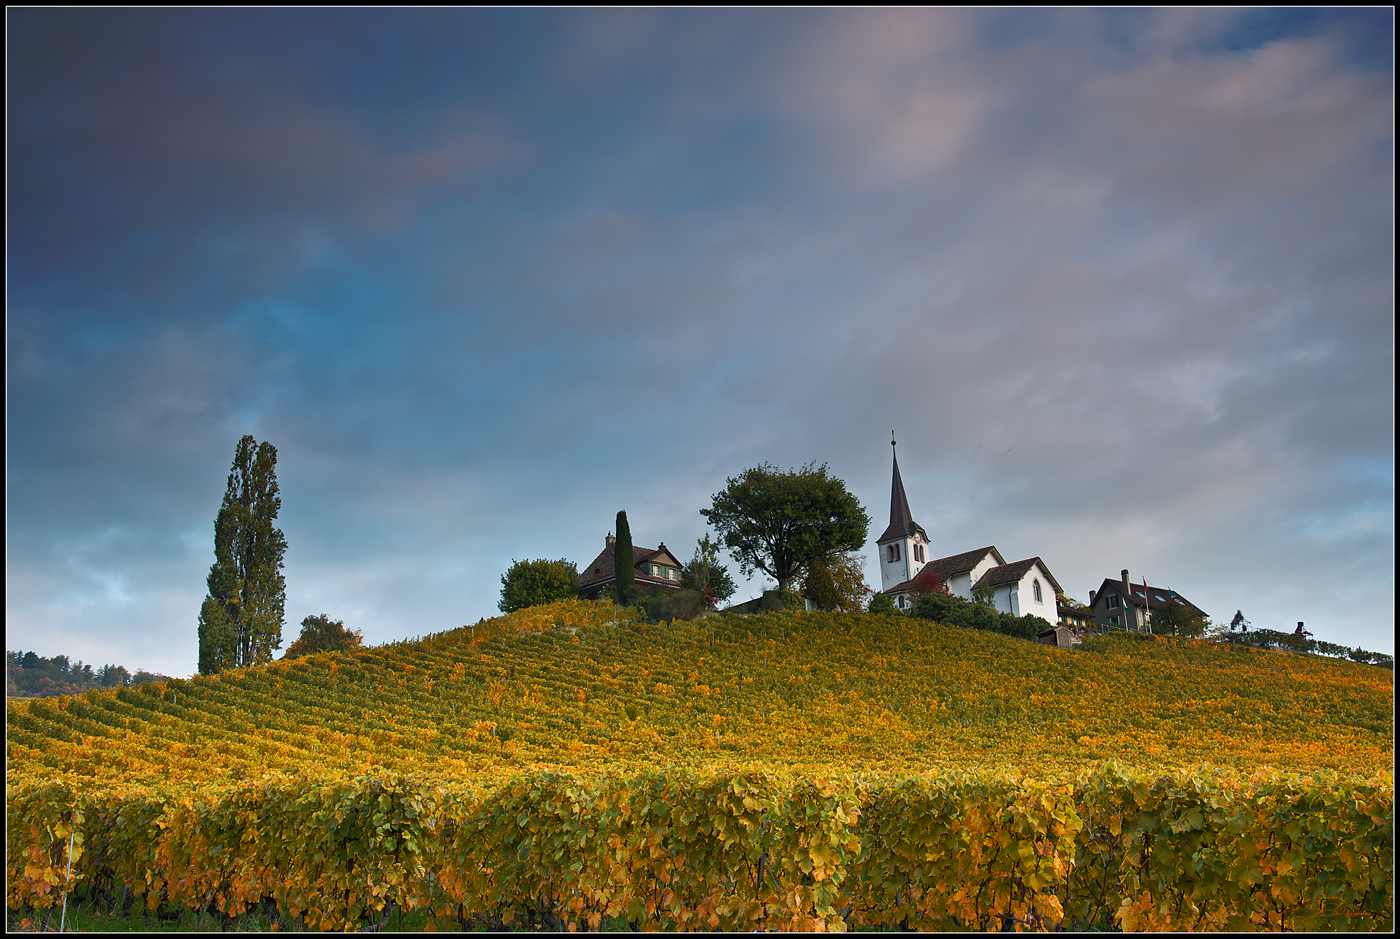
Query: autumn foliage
x,y
775,771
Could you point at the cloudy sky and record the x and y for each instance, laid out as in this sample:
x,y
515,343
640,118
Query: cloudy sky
x,y
1120,282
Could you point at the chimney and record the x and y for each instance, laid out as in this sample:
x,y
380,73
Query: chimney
x,y
1091,597
609,541
1126,588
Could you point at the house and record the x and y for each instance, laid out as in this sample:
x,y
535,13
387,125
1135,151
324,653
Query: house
x,y
1120,604
1019,588
650,568
1071,614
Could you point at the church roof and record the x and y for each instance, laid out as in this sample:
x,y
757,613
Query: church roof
x,y
1013,572
949,567
902,523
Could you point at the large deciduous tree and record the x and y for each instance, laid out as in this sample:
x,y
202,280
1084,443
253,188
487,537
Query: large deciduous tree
x,y
530,583
781,523
240,622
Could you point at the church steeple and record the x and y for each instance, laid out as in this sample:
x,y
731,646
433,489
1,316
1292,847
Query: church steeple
x,y
901,520
903,545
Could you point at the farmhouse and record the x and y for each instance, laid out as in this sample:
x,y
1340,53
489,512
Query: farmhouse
x,y
651,567
1018,588
1120,604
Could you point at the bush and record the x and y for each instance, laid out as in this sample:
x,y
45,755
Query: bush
x,y
881,603
681,604
945,608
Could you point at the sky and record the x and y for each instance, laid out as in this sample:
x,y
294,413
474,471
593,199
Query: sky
x,y
1119,281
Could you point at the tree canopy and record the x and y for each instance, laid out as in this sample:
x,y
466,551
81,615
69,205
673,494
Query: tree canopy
x,y
837,582
320,633
530,583
1173,619
706,575
780,523
240,621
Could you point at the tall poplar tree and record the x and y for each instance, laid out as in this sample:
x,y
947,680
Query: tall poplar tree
x,y
240,622
622,560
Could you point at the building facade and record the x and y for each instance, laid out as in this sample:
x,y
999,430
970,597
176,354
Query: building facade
x,y
651,567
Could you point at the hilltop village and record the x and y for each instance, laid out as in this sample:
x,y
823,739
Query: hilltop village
x,y
908,570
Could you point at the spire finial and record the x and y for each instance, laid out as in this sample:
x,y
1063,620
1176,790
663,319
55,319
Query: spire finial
x,y
891,438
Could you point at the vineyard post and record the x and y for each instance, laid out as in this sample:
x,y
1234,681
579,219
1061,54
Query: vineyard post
x,y
63,917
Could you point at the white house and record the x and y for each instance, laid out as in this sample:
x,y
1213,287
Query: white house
x,y
1018,588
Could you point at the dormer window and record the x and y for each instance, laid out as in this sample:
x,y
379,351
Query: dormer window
x,y
892,553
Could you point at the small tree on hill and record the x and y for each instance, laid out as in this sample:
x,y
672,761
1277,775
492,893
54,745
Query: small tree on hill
x,y
984,594
706,575
624,577
836,582
320,633
1173,619
531,583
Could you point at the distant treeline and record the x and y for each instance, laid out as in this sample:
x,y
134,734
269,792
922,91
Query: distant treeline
x,y
33,676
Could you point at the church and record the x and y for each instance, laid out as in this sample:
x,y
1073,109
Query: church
x,y
1018,588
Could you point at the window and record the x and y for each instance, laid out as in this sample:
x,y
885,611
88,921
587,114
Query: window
x,y
1038,597
1112,604
892,553
919,553
1113,620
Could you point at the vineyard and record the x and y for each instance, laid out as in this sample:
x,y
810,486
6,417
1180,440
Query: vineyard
x,y
788,771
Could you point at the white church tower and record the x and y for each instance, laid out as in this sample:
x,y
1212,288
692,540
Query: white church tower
x,y
904,545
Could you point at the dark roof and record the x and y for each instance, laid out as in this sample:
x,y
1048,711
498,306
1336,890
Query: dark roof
x,y
902,522
1157,596
946,568
601,571
1012,573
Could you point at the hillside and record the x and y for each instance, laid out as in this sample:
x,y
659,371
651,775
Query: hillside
x,y
811,692
799,771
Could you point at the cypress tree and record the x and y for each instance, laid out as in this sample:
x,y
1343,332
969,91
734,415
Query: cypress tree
x,y
240,622
622,560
